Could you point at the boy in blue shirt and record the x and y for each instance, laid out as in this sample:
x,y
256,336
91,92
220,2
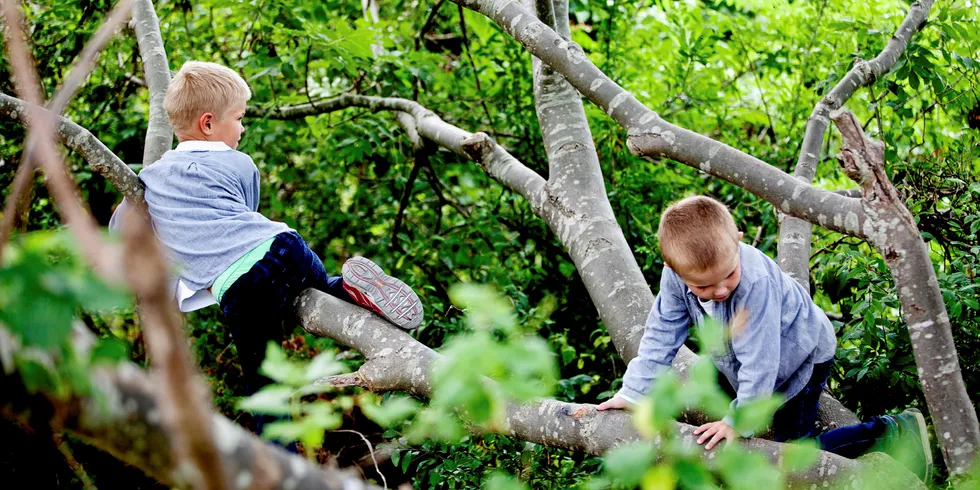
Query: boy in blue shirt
x,y
203,199
786,345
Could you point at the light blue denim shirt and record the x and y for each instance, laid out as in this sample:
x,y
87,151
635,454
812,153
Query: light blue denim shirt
x,y
785,335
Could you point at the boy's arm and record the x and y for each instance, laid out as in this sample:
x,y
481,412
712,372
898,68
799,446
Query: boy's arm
x,y
118,216
665,331
757,344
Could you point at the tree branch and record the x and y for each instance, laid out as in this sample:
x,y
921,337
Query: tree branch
x,y
63,190
125,421
651,136
893,232
478,147
79,140
79,72
184,401
156,70
794,233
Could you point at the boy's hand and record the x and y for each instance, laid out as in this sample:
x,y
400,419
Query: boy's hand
x,y
716,431
616,402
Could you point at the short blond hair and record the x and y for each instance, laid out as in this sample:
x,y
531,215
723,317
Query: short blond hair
x,y
200,87
696,234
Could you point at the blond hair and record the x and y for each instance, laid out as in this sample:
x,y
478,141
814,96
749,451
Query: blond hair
x,y
696,234
200,87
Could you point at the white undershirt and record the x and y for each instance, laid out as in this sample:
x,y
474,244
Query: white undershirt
x,y
709,307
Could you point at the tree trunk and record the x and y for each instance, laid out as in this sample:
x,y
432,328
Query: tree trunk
x,y
893,232
159,134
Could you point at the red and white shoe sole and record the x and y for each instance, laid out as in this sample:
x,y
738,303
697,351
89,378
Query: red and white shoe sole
x,y
387,296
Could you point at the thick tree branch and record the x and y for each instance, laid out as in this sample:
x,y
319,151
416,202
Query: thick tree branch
x,y
651,136
396,361
582,216
126,421
78,139
893,232
794,233
156,72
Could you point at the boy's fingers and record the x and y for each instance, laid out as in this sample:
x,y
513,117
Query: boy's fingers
x,y
707,433
715,440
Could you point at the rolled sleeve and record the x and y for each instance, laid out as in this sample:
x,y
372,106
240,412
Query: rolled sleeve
x,y
664,333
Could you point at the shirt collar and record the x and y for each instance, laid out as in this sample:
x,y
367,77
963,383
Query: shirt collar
x,y
199,145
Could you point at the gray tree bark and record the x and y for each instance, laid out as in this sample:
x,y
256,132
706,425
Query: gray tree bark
x,y
893,232
579,212
795,234
78,139
651,136
159,133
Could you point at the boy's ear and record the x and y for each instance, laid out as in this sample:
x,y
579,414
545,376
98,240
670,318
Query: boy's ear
x,y
740,234
204,123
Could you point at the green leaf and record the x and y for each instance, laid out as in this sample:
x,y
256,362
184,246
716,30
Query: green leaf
x,y
393,411
37,376
273,400
800,455
711,335
280,369
660,477
109,350
323,365
627,463
755,415
743,470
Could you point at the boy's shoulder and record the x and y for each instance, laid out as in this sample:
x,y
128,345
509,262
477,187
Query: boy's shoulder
x,y
757,266
179,157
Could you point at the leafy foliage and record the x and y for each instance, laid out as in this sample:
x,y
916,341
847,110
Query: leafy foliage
x,y
745,72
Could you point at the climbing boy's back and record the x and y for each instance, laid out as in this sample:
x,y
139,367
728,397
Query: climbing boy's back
x,y
204,195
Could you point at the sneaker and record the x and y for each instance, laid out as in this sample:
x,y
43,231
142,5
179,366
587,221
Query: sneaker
x,y
391,298
907,440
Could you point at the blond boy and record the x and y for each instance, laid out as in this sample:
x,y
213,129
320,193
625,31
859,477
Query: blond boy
x,y
786,345
203,199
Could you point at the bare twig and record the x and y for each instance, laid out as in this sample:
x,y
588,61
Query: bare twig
x,y
427,25
384,480
73,463
469,55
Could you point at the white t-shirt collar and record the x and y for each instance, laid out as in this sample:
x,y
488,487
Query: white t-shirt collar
x,y
200,145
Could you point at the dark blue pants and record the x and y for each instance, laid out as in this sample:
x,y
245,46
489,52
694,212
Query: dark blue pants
x,y
797,419
256,304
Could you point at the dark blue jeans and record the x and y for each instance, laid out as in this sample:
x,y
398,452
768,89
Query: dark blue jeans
x,y
797,419
256,304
